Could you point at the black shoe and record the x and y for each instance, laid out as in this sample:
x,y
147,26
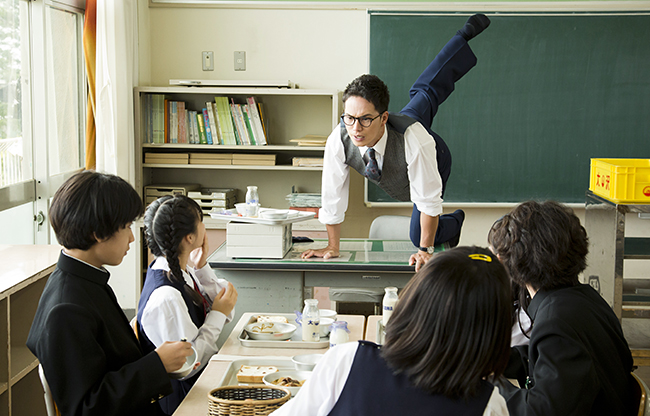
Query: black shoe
x,y
454,241
475,25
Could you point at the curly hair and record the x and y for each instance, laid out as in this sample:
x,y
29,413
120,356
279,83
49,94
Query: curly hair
x,y
174,219
451,326
541,244
370,88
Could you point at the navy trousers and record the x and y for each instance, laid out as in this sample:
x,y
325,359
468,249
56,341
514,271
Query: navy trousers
x,y
430,90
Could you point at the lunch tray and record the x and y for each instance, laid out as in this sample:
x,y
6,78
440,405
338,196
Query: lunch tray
x,y
232,216
294,342
230,376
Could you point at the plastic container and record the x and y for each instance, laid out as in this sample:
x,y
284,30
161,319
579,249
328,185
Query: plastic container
x,y
388,304
623,181
310,321
339,334
252,201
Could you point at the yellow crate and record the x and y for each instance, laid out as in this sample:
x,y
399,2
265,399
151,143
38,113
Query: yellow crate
x,y
624,181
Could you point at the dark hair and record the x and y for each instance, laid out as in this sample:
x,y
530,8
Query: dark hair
x,y
175,218
370,88
541,244
451,326
149,215
90,206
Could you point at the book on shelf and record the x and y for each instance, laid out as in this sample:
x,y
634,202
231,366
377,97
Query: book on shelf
x,y
199,121
206,126
310,140
167,158
256,121
166,121
216,134
247,122
253,159
173,122
238,120
210,158
307,161
182,128
157,118
225,120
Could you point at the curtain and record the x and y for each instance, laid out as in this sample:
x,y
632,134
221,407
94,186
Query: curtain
x,y
117,35
89,41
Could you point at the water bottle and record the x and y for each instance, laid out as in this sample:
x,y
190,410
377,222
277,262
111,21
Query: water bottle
x,y
310,321
252,201
339,334
389,302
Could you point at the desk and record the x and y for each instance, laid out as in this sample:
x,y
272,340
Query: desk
x,y
196,402
232,346
268,285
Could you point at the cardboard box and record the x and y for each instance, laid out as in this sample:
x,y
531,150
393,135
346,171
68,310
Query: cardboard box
x,y
257,240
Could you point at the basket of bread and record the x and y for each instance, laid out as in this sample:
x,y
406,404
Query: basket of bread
x,y
246,400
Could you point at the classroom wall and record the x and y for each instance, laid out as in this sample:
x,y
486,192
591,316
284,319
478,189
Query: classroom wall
x,y
322,49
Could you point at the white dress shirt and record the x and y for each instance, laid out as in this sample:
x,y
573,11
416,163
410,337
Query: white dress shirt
x,y
424,178
322,390
165,316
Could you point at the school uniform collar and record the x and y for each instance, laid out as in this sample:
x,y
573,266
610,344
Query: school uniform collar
x,y
81,269
160,263
539,298
379,147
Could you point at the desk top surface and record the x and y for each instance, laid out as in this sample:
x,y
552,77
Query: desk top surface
x,y
21,262
196,402
355,255
232,346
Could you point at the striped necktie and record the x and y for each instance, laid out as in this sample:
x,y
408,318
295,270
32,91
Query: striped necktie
x,y
372,168
206,305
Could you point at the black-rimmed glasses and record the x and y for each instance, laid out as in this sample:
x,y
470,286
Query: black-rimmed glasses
x,y
349,120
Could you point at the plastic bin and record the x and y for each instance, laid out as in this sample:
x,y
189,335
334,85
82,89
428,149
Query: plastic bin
x,y
623,181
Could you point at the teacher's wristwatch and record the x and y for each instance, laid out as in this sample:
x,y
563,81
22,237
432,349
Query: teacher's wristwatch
x,y
429,249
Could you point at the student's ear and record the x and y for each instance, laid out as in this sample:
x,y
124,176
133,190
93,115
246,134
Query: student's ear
x,y
99,240
384,118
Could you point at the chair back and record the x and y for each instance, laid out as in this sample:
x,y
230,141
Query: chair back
x,y
390,227
50,406
640,392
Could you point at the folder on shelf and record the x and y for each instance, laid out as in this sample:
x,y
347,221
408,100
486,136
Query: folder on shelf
x,y
167,158
307,161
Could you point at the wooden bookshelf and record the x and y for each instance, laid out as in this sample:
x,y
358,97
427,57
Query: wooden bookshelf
x,y
21,283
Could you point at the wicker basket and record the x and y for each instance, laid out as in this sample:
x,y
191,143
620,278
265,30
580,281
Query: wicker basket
x,y
246,400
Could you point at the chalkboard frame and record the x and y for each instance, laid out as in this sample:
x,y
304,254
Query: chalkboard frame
x,y
455,20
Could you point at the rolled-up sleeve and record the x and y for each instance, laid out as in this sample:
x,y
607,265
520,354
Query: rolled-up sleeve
x,y
335,184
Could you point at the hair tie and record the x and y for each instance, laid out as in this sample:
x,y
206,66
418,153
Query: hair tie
x,y
483,257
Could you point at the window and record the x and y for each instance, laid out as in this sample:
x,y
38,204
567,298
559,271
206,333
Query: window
x,y
42,110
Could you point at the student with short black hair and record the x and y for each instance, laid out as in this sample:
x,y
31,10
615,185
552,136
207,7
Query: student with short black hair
x,y
89,352
448,333
181,297
578,361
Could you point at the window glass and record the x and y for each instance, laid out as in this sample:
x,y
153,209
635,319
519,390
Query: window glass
x,y
64,82
15,143
17,225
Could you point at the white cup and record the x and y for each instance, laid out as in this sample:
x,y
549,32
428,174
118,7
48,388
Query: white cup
x,y
188,366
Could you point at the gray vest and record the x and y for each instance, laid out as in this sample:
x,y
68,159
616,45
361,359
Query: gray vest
x,y
394,174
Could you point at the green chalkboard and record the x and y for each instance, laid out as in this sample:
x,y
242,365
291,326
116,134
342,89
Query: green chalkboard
x,y
549,92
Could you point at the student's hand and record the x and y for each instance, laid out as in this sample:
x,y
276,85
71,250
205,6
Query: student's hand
x,y
225,301
326,253
173,354
199,257
419,259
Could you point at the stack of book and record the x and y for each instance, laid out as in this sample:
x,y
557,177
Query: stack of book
x,y
220,122
214,199
304,202
310,140
253,159
210,158
167,158
307,161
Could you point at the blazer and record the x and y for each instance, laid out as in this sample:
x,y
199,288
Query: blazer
x,y
89,352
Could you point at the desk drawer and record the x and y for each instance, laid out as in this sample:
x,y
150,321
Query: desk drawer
x,y
356,279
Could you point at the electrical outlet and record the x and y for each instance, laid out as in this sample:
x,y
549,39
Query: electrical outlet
x,y
240,61
208,61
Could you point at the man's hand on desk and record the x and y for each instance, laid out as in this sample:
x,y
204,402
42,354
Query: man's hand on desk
x,y
419,259
326,253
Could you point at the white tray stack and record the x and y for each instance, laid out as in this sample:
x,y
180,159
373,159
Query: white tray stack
x,y
214,199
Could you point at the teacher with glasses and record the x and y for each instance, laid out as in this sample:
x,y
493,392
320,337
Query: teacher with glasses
x,y
398,151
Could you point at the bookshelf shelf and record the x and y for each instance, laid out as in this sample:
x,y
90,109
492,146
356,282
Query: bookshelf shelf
x,y
236,167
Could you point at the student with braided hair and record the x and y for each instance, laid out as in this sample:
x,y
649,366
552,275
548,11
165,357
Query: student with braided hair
x,y
182,298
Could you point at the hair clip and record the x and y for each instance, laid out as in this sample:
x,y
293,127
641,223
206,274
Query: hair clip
x,y
483,257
